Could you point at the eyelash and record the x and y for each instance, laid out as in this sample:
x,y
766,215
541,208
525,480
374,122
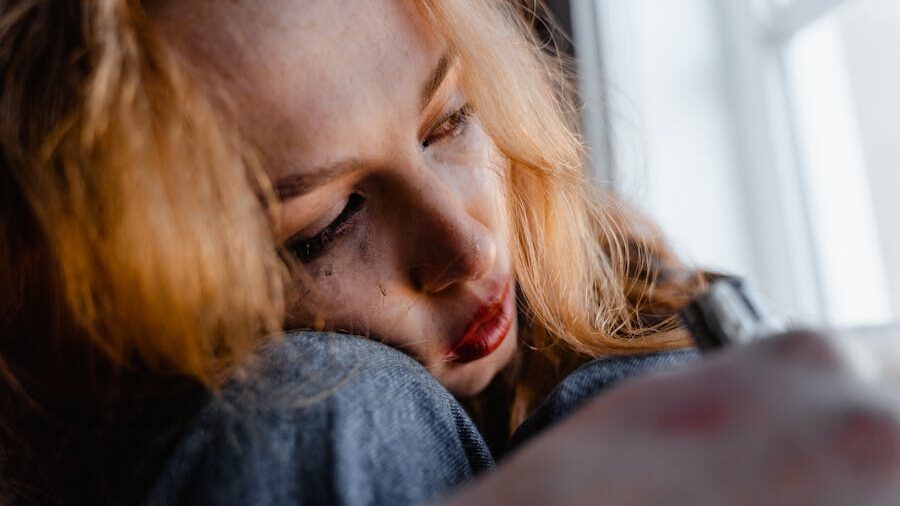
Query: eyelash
x,y
307,250
452,126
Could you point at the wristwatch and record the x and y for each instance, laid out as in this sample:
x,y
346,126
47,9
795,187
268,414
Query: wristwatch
x,y
729,313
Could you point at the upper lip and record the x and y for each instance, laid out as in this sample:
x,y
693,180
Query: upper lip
x,y
489,311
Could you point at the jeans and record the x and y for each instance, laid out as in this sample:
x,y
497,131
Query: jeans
x,y
335,419
589,380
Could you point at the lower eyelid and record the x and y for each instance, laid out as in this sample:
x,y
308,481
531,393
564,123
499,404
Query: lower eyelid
x,y
308,250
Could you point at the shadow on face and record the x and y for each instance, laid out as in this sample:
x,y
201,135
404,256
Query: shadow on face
x,y
392,193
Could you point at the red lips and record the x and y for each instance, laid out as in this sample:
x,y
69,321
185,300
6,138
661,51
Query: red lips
x,y
486,331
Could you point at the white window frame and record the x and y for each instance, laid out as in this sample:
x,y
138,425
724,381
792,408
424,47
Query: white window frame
x,y
768,141
766,137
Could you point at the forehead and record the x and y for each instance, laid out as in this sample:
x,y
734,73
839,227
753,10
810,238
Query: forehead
x,y
307,72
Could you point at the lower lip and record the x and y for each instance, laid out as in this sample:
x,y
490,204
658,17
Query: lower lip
x,y
486,331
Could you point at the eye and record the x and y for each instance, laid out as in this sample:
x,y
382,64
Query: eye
x,y
450,127
309,249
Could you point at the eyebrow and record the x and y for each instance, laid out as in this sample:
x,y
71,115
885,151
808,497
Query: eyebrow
x,y
301,183
435,79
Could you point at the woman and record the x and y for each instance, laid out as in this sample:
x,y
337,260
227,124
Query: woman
x,y
429,206
414,178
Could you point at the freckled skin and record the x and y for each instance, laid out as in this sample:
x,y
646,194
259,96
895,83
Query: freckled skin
x,y
320,82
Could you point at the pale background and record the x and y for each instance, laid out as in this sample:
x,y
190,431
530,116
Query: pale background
x,y
761,134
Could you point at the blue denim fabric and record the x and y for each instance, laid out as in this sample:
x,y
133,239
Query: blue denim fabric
x,y
589,380
337,419
333,419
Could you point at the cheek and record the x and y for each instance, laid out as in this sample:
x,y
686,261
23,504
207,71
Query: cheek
x,y
474,167
338,290
471,158
355,290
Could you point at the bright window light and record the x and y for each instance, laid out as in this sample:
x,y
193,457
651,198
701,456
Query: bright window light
x,y
762,136
845,223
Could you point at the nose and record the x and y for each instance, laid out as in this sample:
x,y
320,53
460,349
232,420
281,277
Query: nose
x,y
449,245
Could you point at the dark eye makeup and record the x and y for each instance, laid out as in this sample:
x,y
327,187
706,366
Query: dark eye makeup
x,y
307,250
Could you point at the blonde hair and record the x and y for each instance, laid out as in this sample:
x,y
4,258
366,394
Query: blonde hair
x,y
595,277
128,195
135,225
134,244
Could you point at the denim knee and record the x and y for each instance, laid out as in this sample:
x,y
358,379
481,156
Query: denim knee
x,y
326,419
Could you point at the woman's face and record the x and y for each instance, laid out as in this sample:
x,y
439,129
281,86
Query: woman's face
x,y
393,194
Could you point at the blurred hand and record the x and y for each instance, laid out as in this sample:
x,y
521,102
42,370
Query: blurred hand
x,y
782,421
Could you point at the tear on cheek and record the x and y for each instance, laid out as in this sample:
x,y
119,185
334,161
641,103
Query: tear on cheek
x,y
324,271
363,246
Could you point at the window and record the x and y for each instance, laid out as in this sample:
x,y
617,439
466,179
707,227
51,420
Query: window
x,y
760,134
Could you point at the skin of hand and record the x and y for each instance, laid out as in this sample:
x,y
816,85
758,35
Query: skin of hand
x,y
784,421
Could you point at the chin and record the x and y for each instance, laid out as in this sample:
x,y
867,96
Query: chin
x,y
469,380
